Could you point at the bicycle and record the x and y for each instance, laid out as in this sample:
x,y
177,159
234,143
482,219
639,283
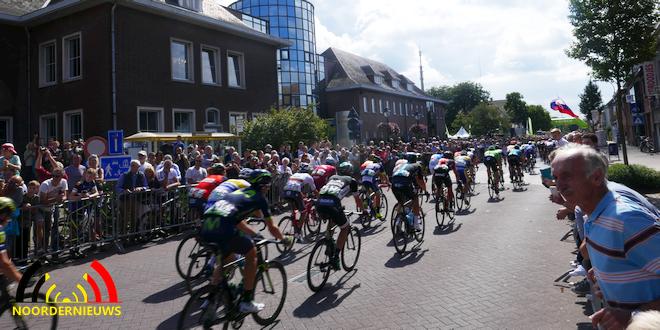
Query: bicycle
x,y
493,187
462,198
308,221
319,266
207,309
404,228
181,260
646,145
369,210
9,303
444,208
516,178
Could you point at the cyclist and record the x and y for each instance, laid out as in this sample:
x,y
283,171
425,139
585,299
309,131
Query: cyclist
x,y
515,158
229,186
463,164
405,176
199,194
372,171
7,268
293,191
329,204
322,173
441,177
529,151
224,225
448,160
433,162
493,162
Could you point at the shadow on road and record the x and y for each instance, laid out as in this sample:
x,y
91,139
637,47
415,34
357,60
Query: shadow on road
x,y
447,229
495,199
170,323
584,326
295,255
466,212
327,299
173,292
374,230
409,258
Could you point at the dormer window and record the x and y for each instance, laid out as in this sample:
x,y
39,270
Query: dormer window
x,y
378,80
396,83
195,5
410,87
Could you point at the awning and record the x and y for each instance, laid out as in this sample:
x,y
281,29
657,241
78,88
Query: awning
x,y
172,136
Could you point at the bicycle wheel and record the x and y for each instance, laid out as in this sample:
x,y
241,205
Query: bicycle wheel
x,y
313,223
439,212
196,312
400,234
188,246
419,235
286,227
318,266
199,262
351,251
29,322
459,198
383,205
270,289
491,192
395,212
367,206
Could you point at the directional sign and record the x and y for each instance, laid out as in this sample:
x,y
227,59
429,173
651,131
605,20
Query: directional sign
x,y
634,108
115,142
638,119
114,166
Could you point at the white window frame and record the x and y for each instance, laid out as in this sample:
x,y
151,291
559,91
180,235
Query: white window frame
x,y
42,68
191,57
387,106
218,65
380,105
65,57
42,128
161,117
241,67
189,111
236,113
365,104
401,108
67,129
10,129
373,105
206,119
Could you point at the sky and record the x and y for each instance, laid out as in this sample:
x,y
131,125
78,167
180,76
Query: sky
x,y
505,45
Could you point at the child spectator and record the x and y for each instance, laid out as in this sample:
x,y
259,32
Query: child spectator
x,y
31,214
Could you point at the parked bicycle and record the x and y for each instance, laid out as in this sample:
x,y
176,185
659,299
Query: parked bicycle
x,y
646,145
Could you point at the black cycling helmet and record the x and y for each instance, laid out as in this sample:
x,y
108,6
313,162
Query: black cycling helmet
x,y
259,178
411,157
7,206
304,168
517,147
491,148
374,158
345,168
245,173
448,154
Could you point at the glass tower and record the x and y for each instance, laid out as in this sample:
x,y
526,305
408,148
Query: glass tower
x,y
299,69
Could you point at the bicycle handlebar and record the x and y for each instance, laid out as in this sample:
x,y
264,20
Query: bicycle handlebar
x,y
253,220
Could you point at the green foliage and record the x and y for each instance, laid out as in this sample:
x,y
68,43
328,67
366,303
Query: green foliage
x,y
540,118
516,108
590,100
462,97
287,126
638,177
613,36
461,120
487,119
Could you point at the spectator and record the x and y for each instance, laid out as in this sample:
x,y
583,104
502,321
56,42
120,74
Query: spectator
x,y
618,222
29,157
75,171
167,175
129,183
174,166
557,139
196,173
284,168
208,157
85,188
53,191
93,163
67,155
10,163
181,160
229,154
590,139
152,181
142,158
43,174
15,190
31,212
151,159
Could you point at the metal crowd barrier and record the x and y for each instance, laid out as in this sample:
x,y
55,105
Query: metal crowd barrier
x,y
275,200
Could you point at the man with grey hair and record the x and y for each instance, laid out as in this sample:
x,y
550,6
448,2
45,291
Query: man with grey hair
x,y
622,236
130,182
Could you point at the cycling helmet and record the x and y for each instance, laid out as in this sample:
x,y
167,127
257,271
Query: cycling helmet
x,y
411,157
304,168
463,153
217,168
259,178
245,173
330,161
517,147
345,168
374,158
7,206
448,154
491,148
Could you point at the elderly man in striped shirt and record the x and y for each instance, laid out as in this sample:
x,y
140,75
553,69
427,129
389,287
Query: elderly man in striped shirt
x,y
622,236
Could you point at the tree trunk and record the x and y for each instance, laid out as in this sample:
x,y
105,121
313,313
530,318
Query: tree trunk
x,y
619,115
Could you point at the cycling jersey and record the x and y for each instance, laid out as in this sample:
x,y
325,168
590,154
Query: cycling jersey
x,y
300,181
462,162
403,180
203,188
225,188
3,239
492,157
370,175
515,152
330,196
322,173
433,162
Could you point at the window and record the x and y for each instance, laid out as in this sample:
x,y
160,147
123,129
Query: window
x,y
48,127
378,80
212,116
181,56
380,106
284,54
387,106
236,122
73,125
235,68
195,5
71,57
406,109
150,119
401,108
6,129
373,105
396,83
183,120
210,67
365,106
47,64
410,86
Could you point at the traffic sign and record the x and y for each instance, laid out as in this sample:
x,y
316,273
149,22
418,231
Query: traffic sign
x,y
638,119
115,142
96,145
114,166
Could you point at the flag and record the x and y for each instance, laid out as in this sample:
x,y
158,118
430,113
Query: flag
x,y
560,105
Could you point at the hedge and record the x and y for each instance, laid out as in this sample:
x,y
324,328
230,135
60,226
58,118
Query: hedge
x,y
641,178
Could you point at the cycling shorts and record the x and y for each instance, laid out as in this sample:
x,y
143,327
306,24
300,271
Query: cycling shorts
x,y
403,189
294,198
461,175
490,161
439,180
330,208
514,160
225,234
372,185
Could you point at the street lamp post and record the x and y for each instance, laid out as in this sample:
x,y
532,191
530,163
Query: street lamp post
x,y
386,113
417,119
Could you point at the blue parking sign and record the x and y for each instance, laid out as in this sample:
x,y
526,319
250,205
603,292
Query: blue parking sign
x,y
115,142
114,166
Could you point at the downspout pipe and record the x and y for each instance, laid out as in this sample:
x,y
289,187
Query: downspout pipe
x,y
114,65
28,104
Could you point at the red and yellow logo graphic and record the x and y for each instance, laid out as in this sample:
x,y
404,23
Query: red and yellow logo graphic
x,y
78,303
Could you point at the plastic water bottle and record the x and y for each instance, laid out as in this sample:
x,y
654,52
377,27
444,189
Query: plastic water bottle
x,y
410,217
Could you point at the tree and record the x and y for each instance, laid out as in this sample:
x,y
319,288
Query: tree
x,y
284,127
488,119
590,100
462,98
612,37
516,108
540,118
461,120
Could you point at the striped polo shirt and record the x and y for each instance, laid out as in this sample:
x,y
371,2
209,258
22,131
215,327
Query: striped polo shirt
x,y
623,239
